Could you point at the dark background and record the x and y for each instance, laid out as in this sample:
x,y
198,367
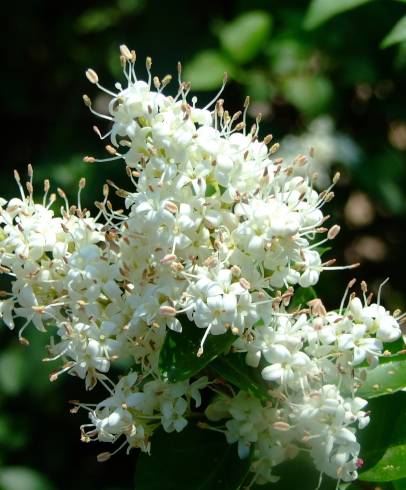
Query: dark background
x,y
294,75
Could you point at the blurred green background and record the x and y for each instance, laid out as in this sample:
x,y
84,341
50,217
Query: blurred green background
x,y
330,73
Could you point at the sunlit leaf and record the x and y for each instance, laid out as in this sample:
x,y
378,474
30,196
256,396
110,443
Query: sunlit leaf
x,y
206,70
193,459
391,467
385,379
244,37
320,11
396,35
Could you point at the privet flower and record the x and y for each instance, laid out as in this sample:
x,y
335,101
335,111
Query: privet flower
x,y
218,228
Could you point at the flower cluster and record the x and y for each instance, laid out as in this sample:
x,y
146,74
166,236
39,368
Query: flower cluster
x,y
310,359
219,229
327,146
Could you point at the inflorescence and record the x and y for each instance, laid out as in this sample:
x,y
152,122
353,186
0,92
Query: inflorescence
x,y
218,228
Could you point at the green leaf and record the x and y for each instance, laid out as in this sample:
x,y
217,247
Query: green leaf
x,y
391,467
310,94
234,369
178,358
385,379
244,37
193,459
383,443
12,371
301,297
299,474
206,70
21,478
320,11
378,434
396,35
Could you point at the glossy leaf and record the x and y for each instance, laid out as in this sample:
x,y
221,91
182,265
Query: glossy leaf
x,y
379,433
383,443
397,34
178,358
206,70
299,474
391,467
385,379
245,36
301,297
320,11
195,459
234,369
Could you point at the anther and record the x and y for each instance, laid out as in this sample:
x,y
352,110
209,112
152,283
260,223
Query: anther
x,y
91,75
88,159
125,52
333,232
87,101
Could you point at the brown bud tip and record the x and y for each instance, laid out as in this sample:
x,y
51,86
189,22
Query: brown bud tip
x,y
91,75
30,170
82,183
148,62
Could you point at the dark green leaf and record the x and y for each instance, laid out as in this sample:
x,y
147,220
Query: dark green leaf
x,y
299,474
379,433
385,379
234,369
301,297
178,359
245,36
193,459
320,11
396,35
399,484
